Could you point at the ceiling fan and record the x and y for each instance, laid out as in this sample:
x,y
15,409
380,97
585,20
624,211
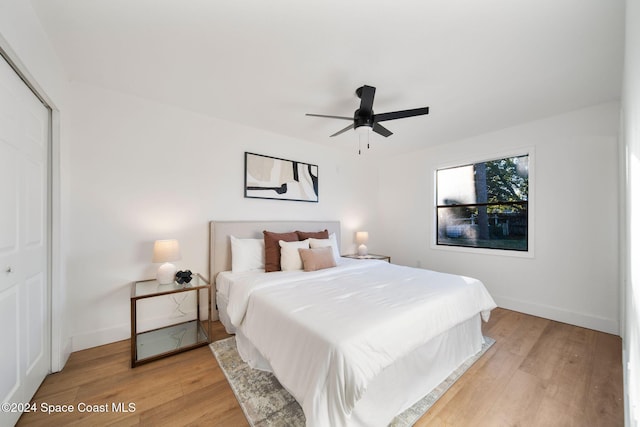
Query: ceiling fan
x,y
364,120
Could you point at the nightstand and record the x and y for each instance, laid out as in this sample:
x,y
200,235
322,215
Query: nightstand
x,y
154,344
369,256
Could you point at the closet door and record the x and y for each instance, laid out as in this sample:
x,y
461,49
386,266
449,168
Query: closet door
x,y
24,279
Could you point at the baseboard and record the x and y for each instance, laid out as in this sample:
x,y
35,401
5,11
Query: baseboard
x,y
123,331
602,324
610,326
100,337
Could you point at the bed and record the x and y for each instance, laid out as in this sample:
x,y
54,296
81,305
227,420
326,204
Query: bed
x,y
355,344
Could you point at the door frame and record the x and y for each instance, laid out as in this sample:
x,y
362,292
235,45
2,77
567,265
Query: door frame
x,y
60,344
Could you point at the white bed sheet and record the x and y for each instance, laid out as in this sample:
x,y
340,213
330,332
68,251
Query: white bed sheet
x,y
224,282
328,334
225,279
407,380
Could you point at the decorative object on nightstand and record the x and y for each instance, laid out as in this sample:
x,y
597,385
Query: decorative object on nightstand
x,y
166,251
183,276
362,237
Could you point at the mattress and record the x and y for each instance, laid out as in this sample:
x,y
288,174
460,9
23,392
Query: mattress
x,y
329,336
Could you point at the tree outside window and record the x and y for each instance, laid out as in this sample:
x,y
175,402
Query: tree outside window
x,y
484,205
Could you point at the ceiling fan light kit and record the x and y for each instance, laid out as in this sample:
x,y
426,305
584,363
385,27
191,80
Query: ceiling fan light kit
x,y
365,121
364,130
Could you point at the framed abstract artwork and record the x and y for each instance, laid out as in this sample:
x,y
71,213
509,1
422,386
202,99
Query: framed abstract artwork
x,y
267,177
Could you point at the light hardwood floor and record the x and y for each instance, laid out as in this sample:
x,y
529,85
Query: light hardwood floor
x,y
539,373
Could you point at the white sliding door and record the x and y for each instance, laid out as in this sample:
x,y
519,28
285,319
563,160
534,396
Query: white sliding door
x,y
24,233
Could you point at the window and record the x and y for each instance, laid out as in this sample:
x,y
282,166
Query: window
x,y
484,205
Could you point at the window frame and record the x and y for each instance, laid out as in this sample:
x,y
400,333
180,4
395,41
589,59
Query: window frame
x,y
529,253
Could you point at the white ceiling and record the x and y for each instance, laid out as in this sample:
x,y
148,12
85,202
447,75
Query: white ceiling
x,y
479,65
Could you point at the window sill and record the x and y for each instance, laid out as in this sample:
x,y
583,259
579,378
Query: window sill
x,y
484,251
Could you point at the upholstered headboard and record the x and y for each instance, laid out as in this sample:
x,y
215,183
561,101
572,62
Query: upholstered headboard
x,y
220,244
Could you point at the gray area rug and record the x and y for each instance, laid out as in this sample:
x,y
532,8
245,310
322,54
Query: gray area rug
x,y
266,403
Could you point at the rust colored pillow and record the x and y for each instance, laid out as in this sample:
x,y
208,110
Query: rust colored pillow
x,y
304,235
317,259
272,248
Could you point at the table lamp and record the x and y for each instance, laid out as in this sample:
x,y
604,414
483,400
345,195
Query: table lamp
x,y
166,251
362,237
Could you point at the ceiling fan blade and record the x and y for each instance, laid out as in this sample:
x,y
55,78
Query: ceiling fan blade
x,y
329,117
379,129
400,114
367,93
343,130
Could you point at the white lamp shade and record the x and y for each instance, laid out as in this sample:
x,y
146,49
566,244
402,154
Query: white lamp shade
x,y
362,237
166,251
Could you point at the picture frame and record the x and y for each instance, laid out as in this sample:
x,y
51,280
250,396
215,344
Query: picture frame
x,y
267,177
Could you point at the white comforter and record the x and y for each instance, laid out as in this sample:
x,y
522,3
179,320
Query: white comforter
x,y
327,334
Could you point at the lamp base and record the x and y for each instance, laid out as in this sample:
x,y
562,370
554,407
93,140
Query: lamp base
x,y
166,273
362,250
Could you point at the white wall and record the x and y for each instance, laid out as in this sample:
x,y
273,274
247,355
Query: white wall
x,y
573,275
23,39
20,27
631,229
141,171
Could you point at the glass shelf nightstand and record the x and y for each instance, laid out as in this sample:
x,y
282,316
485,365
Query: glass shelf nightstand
x,y
369,256
154,344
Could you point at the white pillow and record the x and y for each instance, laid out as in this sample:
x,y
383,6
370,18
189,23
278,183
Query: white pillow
x,y
323,243
246,254
289,256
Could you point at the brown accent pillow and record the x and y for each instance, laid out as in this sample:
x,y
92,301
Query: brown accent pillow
x,y
317,259
304,235
272,248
